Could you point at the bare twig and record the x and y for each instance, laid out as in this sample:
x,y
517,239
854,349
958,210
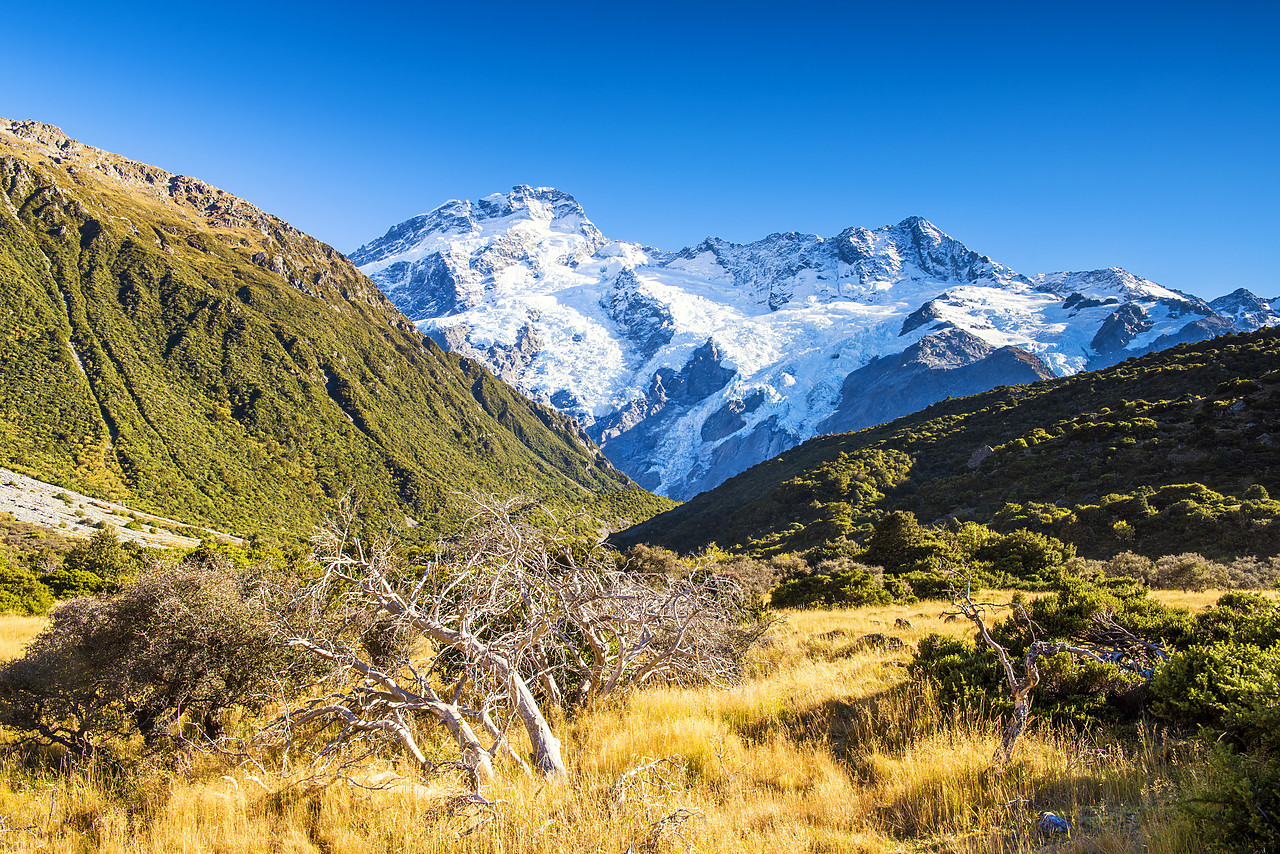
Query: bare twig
x,y
1109,643
505,624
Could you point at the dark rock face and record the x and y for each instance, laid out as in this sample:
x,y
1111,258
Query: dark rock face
x,y
506,361
643,320
701,376
737,454
1122,326
728,419
1078,301
951,363
425,289
926,313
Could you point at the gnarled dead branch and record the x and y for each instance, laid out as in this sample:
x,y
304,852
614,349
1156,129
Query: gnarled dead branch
x,y
1108,643
502,626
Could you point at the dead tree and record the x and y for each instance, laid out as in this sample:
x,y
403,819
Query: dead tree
x,y
502,626
1109,643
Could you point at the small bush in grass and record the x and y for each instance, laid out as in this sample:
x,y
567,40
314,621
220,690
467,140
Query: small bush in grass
x,y
839,582
181,640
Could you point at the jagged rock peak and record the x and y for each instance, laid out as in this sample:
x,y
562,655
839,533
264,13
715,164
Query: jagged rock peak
x,y
542,203
917,247
51,137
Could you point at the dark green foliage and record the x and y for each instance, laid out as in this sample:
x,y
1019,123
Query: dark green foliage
x,y
1248,618
901,544
1078,595
95,565
963,672
180,640
21,592
1164,454
911,561
1230,688
1238,807
1024,555
1231,691
833,582
1073,690
1222,680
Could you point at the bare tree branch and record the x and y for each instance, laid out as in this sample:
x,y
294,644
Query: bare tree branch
x,y
1109,643
504,624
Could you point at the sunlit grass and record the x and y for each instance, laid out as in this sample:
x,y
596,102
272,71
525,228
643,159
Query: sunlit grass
x,y
16,631
827,747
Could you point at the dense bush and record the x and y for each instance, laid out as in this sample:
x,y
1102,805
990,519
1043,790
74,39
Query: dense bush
x,y
21,592
1079,691
1233,689
179,641
834,582
1222,679
99,564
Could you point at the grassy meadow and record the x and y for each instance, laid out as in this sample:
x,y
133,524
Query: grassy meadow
x,y
827,747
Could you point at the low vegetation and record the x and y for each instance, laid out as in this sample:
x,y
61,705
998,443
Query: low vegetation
x,y
848,729
828,745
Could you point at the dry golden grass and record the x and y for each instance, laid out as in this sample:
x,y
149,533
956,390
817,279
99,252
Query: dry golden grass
x,y
1195,601
826,748
16,632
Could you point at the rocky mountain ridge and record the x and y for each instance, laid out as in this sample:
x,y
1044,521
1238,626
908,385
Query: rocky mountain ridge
x,y
690,366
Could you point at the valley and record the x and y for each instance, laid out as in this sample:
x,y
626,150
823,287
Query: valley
x,y
458,606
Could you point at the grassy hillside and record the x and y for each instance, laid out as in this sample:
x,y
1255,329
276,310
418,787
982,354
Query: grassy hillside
x,y
1175,451
166,345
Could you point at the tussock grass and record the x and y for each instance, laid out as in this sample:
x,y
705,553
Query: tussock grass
x,y
16,631
826,748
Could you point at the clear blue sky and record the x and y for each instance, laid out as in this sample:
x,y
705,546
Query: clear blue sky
x,y
1049,136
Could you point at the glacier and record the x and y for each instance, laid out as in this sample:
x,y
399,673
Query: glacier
x,y
688,367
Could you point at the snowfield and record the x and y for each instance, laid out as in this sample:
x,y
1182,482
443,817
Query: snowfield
x,y
688,367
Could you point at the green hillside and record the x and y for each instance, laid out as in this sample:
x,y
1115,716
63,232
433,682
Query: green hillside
x,y
1172,452
172,347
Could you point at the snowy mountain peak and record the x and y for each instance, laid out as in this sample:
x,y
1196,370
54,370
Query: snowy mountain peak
x,y
537,209
1247,309
546,204
690,366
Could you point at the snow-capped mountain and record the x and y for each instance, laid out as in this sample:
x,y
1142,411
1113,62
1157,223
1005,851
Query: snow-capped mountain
x,y
688,367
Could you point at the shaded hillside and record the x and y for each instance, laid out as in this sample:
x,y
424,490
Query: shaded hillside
x,y
167,345
1096,459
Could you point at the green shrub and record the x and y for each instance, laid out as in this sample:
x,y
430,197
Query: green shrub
x,y
1232,689
1025,556
1249,618
1239,804
833,583
1185,572
964,671
67,582
21,592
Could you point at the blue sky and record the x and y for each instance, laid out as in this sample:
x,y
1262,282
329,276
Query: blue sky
x,y
1048,136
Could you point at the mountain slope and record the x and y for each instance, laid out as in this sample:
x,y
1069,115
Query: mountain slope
x,y
778,338
168,345
1075,457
